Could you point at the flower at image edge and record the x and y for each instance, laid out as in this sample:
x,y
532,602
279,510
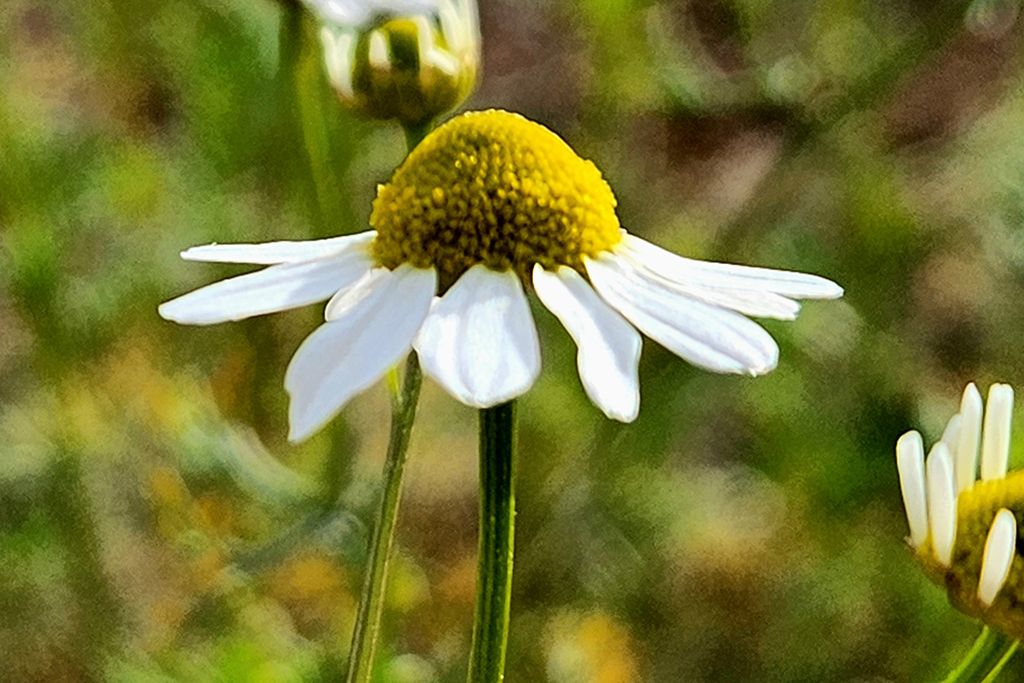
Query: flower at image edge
x,y
964,509
488,206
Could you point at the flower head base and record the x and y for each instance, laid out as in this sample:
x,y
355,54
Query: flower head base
x,y
486,207
965,531
409,60
496,189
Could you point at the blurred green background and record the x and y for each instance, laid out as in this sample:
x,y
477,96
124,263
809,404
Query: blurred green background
x,y
156,526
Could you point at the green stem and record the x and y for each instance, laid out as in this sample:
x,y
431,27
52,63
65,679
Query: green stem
x,y
986,658
371,604
993,675
415,132
497,536
366,634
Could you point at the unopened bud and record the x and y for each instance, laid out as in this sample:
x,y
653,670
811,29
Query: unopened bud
x,y
409,60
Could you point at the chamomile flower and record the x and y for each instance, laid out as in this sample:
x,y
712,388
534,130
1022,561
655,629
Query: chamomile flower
x,y
964,529
489,206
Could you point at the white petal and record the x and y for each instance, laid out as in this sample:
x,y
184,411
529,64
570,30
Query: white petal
x,y
479,341
269,253
378,54
784,282
339,54
1000,547
941,502
356,13
995,439
754,302
273,289
348,354
910,464
951,436
970,436
609,347
709,337
747,302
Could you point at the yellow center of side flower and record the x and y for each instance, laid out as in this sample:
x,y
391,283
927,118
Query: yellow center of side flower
x,y
492,187
976,510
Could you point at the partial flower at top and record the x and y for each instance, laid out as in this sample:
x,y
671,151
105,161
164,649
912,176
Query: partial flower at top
x,y
359,13
409,60
488,206
964,530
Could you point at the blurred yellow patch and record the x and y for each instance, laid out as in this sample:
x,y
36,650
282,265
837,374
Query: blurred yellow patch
x,y
590,648
167,488
409,586
315,590
309,577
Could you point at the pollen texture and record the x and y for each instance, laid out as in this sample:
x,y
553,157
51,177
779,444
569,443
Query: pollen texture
x,y
492,187
976,510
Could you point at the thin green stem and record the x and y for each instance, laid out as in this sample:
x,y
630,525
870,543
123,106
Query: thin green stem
x,y
497,540
993,675
366,634
371,604
986,658
415,132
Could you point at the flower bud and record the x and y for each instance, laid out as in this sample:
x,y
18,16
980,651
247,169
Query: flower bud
x,y
409,60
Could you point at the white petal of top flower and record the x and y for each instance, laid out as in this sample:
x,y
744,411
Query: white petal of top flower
x,y
453,285
479,340
609,346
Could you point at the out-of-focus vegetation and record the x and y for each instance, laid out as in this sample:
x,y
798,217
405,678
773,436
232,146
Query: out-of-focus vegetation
x,y
154,523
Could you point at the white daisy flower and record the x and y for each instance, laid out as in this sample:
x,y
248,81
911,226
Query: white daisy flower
x,y
491,205
964,529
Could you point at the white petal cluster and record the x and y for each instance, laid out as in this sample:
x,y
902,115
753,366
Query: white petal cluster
x,y
931,486
478,340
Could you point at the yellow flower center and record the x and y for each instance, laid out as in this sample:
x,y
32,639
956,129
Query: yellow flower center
x,y
492,187
976,510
